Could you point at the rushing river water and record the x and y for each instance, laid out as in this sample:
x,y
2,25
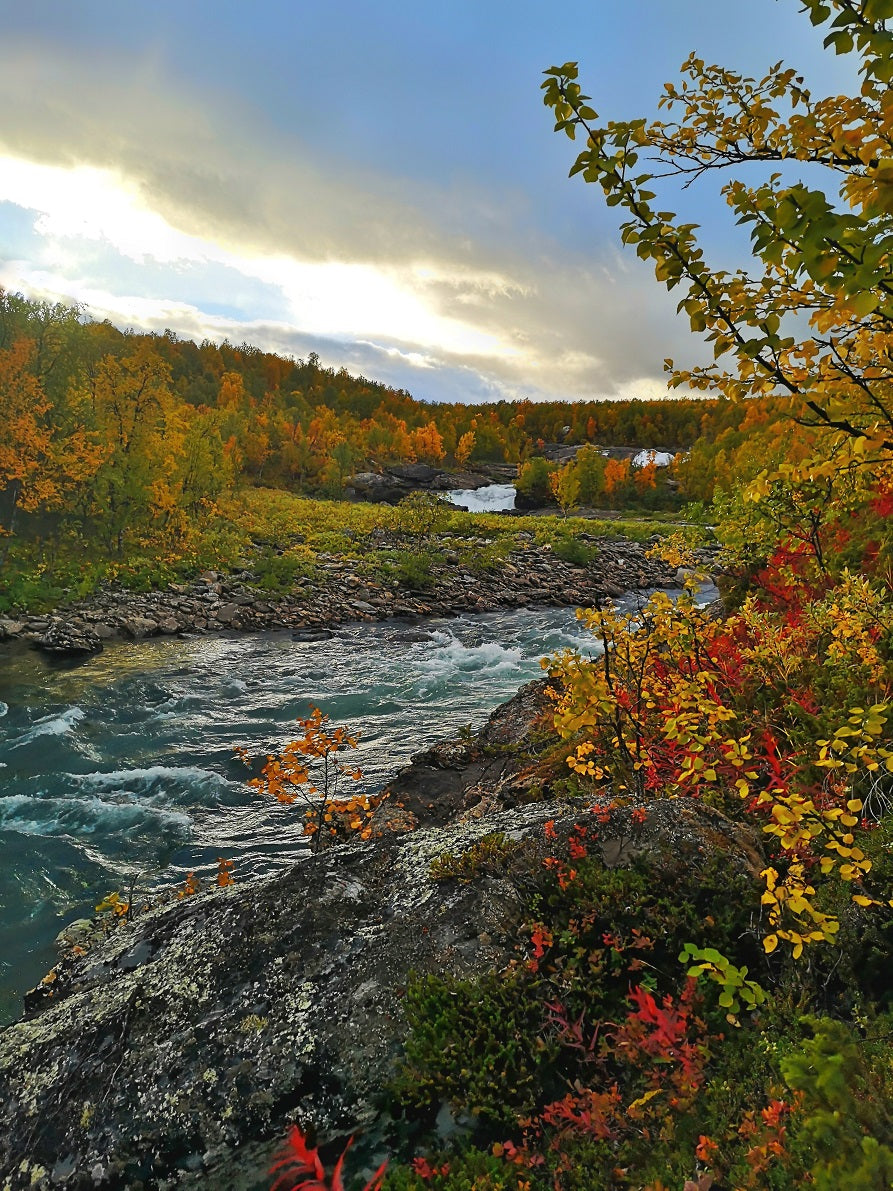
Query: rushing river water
x,y
123,765
492,498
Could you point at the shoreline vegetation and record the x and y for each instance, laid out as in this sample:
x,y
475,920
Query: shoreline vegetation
x,y
306,565
148,459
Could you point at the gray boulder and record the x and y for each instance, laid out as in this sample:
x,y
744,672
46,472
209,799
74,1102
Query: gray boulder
x,y
69,640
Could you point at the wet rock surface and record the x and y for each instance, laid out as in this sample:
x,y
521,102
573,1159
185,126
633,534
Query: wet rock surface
x,y
175,1051
69,637
391,484
468,777
341,593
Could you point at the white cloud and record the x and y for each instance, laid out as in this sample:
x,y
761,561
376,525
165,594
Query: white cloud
x,y
91,203
338,299
648,388
166,179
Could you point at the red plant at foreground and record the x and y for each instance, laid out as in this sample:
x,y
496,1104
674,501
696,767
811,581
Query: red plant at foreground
x,y
300,1168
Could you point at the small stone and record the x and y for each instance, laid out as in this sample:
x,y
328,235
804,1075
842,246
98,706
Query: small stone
x,y
308,633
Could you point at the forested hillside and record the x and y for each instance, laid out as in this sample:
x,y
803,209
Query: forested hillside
x,y
119,446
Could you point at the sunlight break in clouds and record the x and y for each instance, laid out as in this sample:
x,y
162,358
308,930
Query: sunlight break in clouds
x,y
337,299
86,202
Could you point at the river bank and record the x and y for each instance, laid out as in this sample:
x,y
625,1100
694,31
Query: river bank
x,y
176,1052
121,768
457,578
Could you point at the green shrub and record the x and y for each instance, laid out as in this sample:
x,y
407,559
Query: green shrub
x,y
575,550
533,479
469,1170
476,1044
422,514
280,572
483,560
845,1126
413,568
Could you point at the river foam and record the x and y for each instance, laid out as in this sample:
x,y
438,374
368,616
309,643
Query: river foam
x,y
492,498
52,725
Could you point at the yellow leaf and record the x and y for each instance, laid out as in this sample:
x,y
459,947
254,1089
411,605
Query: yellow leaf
x,y
644,1099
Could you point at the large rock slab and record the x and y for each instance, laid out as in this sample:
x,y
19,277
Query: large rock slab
x,y
164,1057
176,1053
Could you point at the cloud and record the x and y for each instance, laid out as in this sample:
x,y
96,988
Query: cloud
x,y
370,266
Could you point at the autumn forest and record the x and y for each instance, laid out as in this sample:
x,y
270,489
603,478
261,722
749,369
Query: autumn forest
x,y
631,933
126,445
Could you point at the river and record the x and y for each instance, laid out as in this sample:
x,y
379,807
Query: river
x,y
122,767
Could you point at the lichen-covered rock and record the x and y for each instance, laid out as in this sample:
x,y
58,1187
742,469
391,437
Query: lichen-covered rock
x,y
176,1053
209,1024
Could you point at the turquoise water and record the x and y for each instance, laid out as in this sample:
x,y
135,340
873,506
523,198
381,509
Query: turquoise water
x,y
122,767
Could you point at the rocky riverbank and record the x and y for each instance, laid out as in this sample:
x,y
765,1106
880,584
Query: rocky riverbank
x,y
342,592
175,1052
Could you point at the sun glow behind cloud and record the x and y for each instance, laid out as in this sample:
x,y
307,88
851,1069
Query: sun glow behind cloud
x,y
86,202
80,205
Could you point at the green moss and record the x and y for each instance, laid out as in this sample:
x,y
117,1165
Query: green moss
x,y
490,854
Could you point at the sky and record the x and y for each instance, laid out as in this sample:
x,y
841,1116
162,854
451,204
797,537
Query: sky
x,y
378,183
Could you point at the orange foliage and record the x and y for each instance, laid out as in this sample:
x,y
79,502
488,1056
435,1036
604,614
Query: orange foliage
x,y
464,447
616,475
646,477
191,886
38,461
308,769
427,444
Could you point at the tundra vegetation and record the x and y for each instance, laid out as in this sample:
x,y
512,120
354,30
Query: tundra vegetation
x,y
694,1025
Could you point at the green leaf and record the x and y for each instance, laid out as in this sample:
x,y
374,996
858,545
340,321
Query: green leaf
x,y
864,303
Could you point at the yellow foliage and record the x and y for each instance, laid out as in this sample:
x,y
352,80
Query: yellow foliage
x,y
668,711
